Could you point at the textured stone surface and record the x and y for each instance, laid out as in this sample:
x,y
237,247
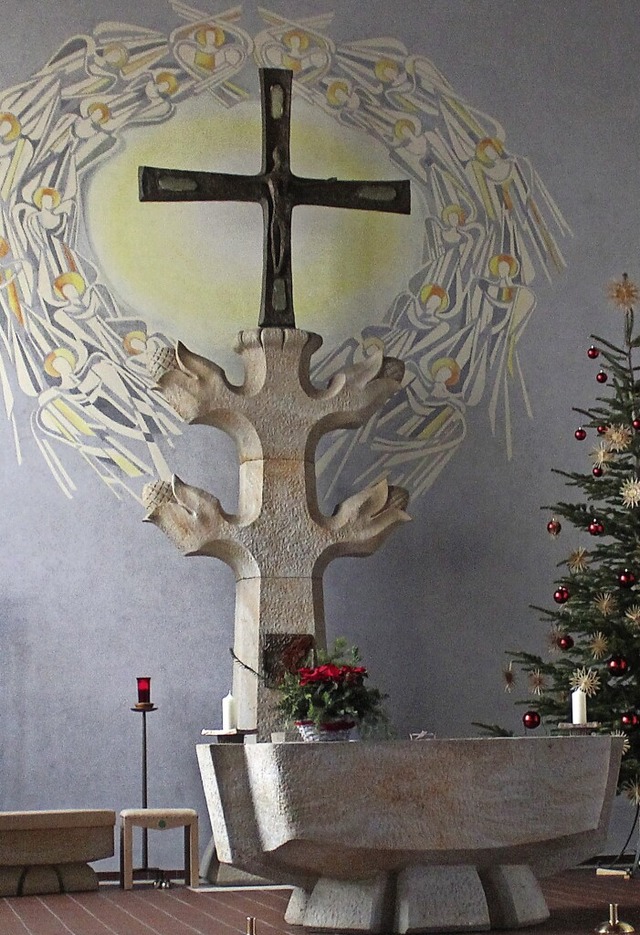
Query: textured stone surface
x,y
361,906
511,809
432,899
514,896
39,880
278,543
51,837
46,851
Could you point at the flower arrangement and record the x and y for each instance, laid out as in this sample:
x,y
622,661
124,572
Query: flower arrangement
x,y
331,688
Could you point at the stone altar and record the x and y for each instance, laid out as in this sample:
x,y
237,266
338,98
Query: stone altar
x,y
412,836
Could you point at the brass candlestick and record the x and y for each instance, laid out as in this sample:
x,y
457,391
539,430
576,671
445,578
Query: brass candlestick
x,y
614,925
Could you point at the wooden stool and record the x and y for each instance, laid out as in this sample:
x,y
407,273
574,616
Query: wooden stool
x,y
159,819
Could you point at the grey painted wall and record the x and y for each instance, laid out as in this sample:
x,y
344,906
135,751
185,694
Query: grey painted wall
x,y
90,597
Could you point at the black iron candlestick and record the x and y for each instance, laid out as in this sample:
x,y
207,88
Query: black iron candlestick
x,y
145,790
143,706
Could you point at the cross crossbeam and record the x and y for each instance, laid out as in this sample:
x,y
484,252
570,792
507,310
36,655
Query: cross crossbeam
x,y
278,190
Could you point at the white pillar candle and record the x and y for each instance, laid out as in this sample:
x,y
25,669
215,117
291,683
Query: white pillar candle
x,y
229,713
579,706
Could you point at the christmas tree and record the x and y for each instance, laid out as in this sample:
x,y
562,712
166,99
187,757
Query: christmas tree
x,y
594,623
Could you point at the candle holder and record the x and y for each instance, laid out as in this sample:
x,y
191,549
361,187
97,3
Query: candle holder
x,y
236,735
143,706
575,730
613,925
144,702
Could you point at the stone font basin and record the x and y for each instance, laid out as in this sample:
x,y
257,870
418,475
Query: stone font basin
x,y
412,836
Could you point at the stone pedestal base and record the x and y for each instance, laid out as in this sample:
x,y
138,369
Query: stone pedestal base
x,y
422,899
42,879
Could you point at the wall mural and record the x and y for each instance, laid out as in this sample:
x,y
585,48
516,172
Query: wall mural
x,y
79,352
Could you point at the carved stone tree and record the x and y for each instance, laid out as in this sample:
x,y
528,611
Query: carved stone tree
x,y
278,543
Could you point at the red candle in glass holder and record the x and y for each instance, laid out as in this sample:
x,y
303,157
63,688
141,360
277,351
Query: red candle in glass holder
x,y
144,690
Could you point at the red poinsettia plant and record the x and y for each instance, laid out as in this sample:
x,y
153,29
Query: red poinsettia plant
x,y
331,688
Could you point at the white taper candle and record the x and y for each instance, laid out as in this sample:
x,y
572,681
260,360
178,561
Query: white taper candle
x,y
229,713
578,706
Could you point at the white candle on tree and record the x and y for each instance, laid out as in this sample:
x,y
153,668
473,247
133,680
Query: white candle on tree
x,y
229,713
579,706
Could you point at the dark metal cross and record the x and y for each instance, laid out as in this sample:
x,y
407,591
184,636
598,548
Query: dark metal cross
x,y
278,190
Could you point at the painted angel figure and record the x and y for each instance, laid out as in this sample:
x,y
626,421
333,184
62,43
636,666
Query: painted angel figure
x,y
211,50
107,414
299,46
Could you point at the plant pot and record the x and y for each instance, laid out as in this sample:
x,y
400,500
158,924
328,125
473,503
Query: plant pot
x,y
321,733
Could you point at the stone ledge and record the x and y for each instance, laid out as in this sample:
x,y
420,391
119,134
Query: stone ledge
x,y
60,818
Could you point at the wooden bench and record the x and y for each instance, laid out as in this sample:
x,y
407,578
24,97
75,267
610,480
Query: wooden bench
x,y
48,851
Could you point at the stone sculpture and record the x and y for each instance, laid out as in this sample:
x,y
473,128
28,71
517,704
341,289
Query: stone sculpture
x,y
278,543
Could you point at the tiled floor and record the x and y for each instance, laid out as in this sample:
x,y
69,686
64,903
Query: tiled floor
x,y
579,901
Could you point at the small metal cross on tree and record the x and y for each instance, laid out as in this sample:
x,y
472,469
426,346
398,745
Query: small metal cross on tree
x,y
278,190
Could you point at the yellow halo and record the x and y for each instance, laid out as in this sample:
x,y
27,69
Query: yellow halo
x,y
100,110
451,211
432,288
128,342
334,89
53,193
302,37
218,35
446,363
75,279
54,355
495,261
14,132
168,79
386,70
404,123
484,145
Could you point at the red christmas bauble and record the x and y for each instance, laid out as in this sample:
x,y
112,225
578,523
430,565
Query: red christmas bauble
x,y
597,471
630,719
617,665
595,527
561,596
580,434
602,429
565,641
553,527
626,579
602,376
636,424
531,720
593,352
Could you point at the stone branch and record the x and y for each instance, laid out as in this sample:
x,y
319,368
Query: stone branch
x,y
276,364
193,520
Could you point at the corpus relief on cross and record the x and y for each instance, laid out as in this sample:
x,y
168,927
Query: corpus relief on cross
x,y
278,190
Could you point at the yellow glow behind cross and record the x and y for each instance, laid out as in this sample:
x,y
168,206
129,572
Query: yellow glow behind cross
x,y
194,270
